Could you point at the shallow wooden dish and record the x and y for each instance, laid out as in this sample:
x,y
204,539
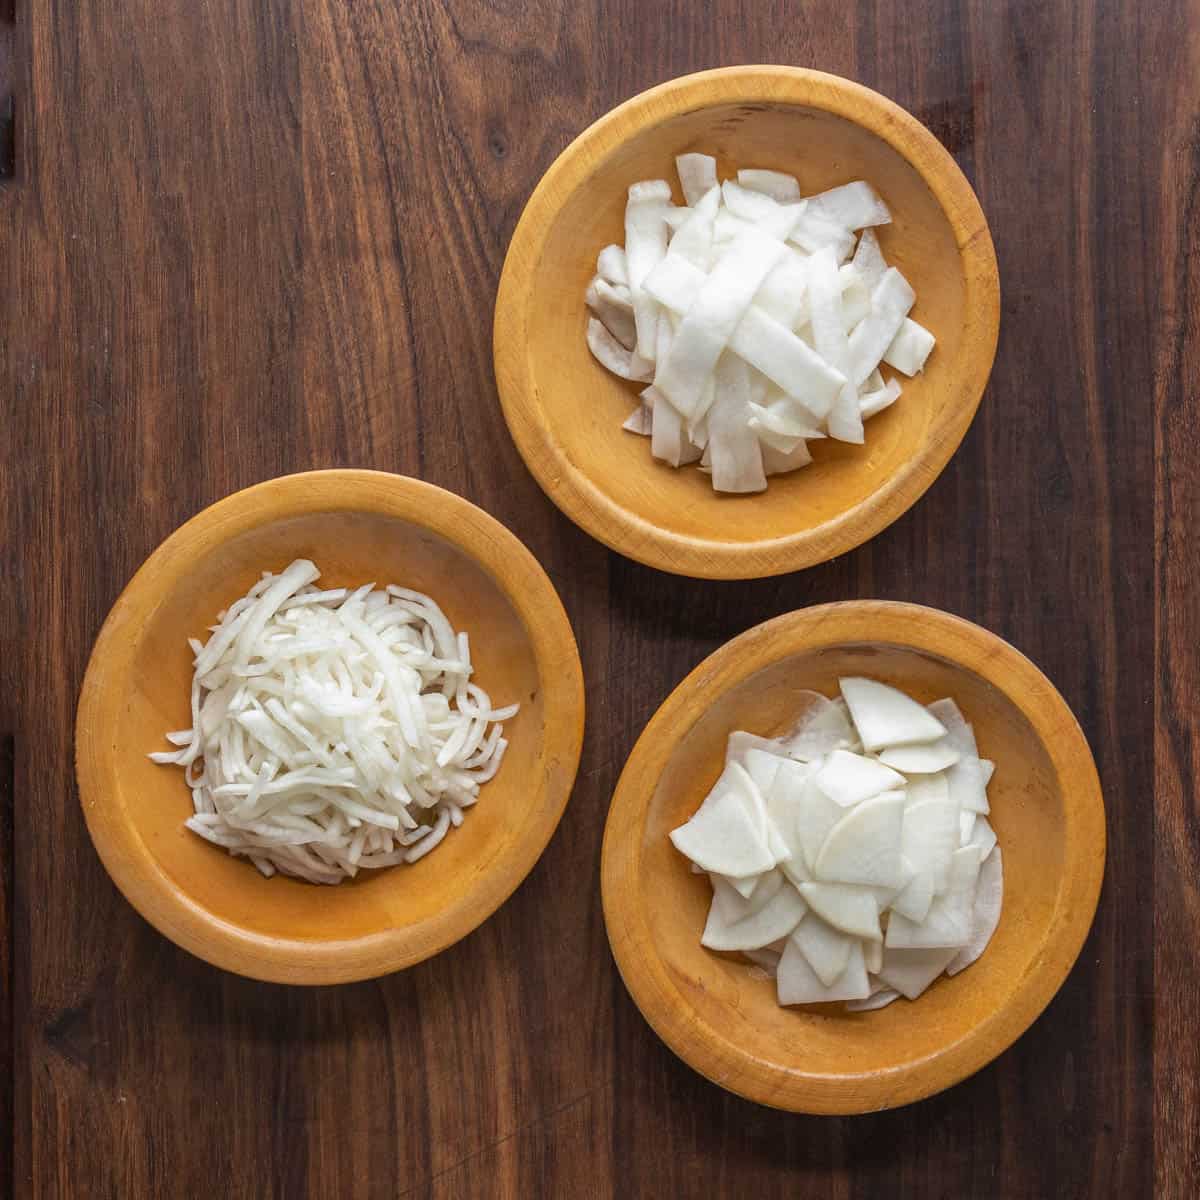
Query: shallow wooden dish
x,y
358,527
717,1012
565,411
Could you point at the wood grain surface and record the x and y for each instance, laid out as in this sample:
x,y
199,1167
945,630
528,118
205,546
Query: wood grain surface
x,y
251,236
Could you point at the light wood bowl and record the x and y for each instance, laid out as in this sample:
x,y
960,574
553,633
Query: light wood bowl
x,y
358,527
717,1012
565,411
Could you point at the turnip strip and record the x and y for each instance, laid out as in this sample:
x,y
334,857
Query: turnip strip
x,y
750,270
327,725
856,874
645,246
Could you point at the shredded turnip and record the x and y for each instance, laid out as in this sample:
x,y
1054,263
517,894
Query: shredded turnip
x,y
750,286
334,730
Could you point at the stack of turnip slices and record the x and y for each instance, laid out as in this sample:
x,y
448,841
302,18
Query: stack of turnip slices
x,y
852,859
758,318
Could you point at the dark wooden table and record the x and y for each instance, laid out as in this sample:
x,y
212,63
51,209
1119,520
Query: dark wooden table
x,y
248,237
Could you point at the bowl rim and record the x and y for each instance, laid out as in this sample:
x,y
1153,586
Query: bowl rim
x,y
129,862
908,626
591,507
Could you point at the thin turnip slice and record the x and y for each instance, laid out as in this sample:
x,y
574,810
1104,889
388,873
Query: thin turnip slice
x,y
697,175
987,769
813,232
884,716
785,359
985,914
864,846
852,206
928,787
910,972
983,836
786,417
783,293
693,240
856,296
784,189
928,839
645,245
868,259
760,757
816,816
784,809
927,758
719,307
675,283
890,304
876,1000
948,922
966,826
914,899
641,420
872,403
724,835
823,728
851,909
780,462
736,456
829,334
611,355
770,217
825,949
614,310
733,905
774,919
965,780
873,956
910,348
766,959
676,218
959,733
668,438
848,778
798,983
611,266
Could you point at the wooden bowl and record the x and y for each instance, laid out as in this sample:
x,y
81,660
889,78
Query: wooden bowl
x,y
565,411
717,1012
358,527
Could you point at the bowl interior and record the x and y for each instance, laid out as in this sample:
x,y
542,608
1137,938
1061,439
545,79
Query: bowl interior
x,y
350,549
735,1000
585,405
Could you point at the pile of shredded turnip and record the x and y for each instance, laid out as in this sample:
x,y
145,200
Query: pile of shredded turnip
x,y
757,317
334,730
852,859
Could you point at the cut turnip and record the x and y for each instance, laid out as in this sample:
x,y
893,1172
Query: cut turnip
x,y
876,1000
864,846
874,402
848,778
910,348
914,899
851,909
886,717
965,780
985,915
780,187
825,949
724,836
697,175
948,922
987,768
825,727
910,972
797,983
611,266
959,733
816,817
891,301
852,206
983,836
645,244
868,259
873,954
611,355
929,837
774,919
921,759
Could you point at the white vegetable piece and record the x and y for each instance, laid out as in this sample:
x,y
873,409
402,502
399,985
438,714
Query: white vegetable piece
x,y
927,758
884,716
736,454
864,846
848,778
767,920
611,266
959,733
693,240
704,332
872,403
816,817
985,915
759,756
641,420
697,175
965,779
825,949
929,837
983,836
724,835
797,982
987,769
910,972
868,259
913,900
891,301
611,355
873,955
780,187
948,922
876,1000
823,728
829,335
852,206
784,810
910,348
851,909
645,245
813,232
614,308
780,462
966,826
767,215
